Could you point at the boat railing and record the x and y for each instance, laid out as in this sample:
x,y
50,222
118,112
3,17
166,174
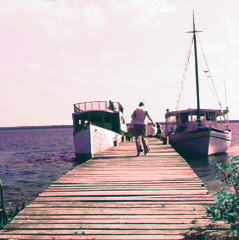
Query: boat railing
x,y
98,106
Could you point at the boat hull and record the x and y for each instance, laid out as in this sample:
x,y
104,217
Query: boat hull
x,y
201,142
92,140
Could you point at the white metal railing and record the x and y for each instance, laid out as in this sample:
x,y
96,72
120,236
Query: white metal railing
x,y
98,105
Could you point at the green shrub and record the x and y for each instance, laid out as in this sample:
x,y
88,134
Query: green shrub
x,y
227,205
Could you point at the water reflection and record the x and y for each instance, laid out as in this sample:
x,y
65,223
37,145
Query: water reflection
x,y
206,168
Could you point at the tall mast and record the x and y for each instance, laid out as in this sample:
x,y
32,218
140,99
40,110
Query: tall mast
x,y
196,71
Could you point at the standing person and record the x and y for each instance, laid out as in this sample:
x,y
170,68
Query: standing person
x,y
139,119
159,130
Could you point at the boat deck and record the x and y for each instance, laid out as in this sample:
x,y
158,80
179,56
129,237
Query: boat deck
x,y
119,196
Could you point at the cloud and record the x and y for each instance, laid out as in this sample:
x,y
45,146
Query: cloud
x,y
54,19
43,16
220,50
120,6
105,55
33,66
150,12
153,7
231,25
95,14
39,69
140,13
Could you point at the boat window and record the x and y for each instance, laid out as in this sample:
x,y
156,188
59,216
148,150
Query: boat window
x,y
210,116
184,117
194,118
172,119
96,117
107,118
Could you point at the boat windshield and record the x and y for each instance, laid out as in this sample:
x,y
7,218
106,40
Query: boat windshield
x,y
98,106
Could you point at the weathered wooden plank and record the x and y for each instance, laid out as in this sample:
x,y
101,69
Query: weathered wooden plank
x,y
162,199
181,183
69,220
113,205
95,237
126,193
59,231
111,179
109,211
105,226
112,216
172,181
121,188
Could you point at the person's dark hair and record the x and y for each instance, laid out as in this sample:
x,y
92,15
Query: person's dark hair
x,y
141,104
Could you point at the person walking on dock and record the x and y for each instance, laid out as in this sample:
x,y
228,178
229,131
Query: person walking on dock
x,y
139,121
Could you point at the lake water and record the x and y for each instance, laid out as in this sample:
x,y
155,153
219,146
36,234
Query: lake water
x,y
31,159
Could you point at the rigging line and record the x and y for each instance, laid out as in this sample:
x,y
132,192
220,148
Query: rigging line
x,y
210,84
226,118
210,76
213,84
184,74
225,87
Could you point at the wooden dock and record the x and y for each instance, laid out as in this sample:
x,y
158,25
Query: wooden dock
x,y
118,196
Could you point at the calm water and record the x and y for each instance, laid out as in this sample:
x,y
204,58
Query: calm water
x,y
31,159
205,167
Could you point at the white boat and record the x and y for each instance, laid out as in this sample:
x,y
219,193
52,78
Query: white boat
x,y
190,136
97,126
198,131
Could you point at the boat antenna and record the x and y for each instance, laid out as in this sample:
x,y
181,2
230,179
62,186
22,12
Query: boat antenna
x,y
225,89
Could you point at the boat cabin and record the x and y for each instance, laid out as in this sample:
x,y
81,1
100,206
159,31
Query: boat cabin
x,y
179,121
108,115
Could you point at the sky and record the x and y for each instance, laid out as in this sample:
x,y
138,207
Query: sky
x,y
57,53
